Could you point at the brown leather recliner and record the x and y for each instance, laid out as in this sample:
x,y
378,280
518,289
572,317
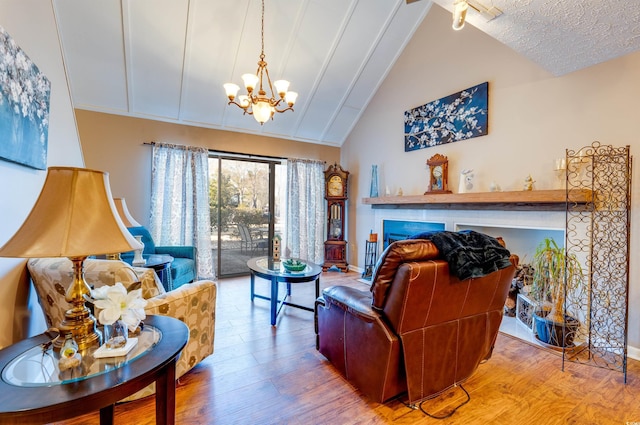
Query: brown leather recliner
x,y
420,329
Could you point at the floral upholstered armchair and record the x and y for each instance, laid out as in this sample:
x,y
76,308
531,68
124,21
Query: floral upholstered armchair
x,y
193,303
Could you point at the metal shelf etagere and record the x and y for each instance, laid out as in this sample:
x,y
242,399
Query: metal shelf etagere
x,y
598,234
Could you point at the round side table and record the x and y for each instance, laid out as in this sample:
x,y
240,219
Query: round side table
x,y
33,391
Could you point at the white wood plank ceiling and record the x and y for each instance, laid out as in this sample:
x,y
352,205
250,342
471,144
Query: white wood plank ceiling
x,y
167,59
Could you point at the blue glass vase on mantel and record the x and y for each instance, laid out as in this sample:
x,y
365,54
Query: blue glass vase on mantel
x,y
373,193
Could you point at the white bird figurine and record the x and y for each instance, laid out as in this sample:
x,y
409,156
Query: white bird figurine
x,y
466,181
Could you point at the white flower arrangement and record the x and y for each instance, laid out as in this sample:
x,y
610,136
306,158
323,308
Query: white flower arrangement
x,y
115,303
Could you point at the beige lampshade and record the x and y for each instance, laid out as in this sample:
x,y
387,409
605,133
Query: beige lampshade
x,y
74,216
125,215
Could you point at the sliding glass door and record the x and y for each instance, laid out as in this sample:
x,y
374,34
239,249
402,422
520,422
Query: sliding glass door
x,y
245,196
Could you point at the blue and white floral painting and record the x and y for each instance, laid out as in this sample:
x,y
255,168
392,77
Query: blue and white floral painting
x,y
24,107
459,116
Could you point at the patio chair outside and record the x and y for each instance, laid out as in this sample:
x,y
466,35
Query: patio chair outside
x,y
248,243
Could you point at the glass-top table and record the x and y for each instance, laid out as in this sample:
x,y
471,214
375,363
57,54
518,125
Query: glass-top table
x,y
33,391
275,272
38,366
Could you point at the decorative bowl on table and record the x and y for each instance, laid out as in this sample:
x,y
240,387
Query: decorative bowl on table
x,y
294,265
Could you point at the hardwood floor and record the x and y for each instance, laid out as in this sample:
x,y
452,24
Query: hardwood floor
x,y
260,374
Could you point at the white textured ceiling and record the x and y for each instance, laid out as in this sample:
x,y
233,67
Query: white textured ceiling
x,y
167,59
562,36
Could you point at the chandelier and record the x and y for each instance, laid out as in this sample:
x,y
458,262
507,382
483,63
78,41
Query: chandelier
x,y
259,105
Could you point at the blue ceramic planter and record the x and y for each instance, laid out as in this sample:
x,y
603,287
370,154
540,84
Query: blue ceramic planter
x,y
554,333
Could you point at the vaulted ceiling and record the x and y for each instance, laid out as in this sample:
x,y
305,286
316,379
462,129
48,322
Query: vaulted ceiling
x,y
167,59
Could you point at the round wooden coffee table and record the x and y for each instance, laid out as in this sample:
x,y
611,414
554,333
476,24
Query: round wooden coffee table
x,y
38,396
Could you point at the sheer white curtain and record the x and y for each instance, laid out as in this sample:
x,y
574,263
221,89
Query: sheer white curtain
x,y
305,210
180,201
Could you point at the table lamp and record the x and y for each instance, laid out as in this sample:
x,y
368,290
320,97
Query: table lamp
x,y
125,215
74,217
129,221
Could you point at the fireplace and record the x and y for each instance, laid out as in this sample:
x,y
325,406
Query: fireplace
x,y
521,240
522,231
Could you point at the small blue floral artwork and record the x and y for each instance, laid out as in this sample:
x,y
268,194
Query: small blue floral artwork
x,y
24,107
459,116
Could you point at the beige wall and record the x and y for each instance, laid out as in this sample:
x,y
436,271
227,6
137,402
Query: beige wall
x,y
31,24
533,117
114,143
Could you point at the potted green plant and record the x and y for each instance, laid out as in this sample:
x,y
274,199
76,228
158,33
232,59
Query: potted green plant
x,y
551,267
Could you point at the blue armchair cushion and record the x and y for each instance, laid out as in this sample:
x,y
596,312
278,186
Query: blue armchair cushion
x,y
177,251
183,266
182,271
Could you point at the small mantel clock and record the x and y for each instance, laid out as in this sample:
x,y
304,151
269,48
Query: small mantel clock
x,y
438,174
335,247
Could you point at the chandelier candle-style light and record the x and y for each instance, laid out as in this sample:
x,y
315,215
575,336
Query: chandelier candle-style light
x,y
259,105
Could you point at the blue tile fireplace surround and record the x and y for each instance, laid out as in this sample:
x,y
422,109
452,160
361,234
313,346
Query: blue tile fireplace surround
x,y
395,230
520,240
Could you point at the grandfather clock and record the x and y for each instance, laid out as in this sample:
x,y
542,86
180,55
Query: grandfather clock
x,y
335,247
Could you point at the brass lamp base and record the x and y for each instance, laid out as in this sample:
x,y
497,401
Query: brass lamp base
x,y
82,325
78,320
